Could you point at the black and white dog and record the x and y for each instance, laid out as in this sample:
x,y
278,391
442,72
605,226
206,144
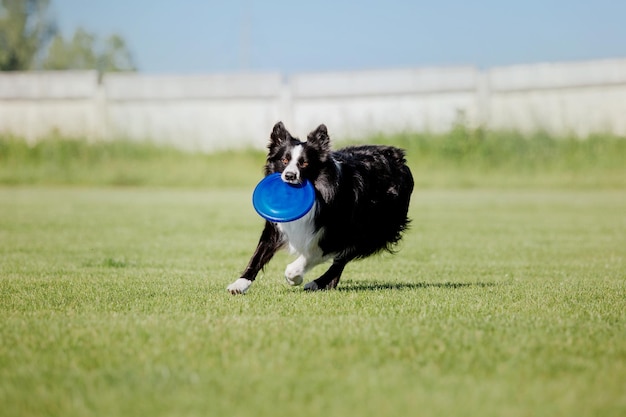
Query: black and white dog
x,y
362,199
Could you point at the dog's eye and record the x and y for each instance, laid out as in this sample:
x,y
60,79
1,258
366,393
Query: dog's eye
x,y
285,161
304,164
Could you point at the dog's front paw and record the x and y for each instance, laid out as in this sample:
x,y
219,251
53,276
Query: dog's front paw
x,y
240,286
295,271
293,281
311,286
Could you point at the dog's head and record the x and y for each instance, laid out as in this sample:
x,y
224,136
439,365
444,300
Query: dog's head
x,y
297,160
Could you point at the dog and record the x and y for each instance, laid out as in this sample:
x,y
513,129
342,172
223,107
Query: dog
x,y
361,205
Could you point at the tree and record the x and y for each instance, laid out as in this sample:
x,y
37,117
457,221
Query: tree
x,y
115,55
84,51
25,26
78,53
29,40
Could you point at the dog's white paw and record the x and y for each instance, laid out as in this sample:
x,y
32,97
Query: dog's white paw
x,y
295,271
240,286
293,281
311,286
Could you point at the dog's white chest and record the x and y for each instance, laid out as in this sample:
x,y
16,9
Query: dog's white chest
x,y
301,233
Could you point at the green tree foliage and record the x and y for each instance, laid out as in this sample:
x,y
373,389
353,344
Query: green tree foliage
x,y
84,51
77,53
116,56
29,40
25,26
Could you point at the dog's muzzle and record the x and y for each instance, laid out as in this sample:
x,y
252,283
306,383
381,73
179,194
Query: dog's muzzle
x,y
290,177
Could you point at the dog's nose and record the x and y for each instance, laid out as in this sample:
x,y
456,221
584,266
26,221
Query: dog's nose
x,y
290,176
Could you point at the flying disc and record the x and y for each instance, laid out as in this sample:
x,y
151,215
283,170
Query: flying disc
x,y
279,201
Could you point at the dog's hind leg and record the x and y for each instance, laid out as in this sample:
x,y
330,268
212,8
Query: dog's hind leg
x,y
329,279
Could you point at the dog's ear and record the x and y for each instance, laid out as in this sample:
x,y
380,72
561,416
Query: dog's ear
x,y
279,134
319,138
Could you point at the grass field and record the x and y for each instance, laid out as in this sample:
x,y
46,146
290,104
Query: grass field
x,y
501,302
507,297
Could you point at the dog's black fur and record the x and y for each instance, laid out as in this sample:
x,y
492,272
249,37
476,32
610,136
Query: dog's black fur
x,y
362,200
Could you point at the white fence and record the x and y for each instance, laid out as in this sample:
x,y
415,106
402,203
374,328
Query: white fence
x,y
209,112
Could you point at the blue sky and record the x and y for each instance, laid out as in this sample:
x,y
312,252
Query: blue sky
x,y
193,36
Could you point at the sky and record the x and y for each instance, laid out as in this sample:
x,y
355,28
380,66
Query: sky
x,y
290,36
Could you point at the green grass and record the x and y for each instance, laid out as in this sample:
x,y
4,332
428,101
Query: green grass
x,y
506,298
479,157
62,161
499,303
462,158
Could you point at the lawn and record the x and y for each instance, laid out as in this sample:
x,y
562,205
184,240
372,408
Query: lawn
x,y
500,302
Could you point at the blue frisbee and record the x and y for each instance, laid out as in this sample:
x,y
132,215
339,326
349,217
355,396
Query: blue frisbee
x,y
278,201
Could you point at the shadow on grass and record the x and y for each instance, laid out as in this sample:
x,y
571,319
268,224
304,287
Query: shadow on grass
x,y
381,286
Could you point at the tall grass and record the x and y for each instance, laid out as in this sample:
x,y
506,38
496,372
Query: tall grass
x,y
480,156
62,161
462,157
